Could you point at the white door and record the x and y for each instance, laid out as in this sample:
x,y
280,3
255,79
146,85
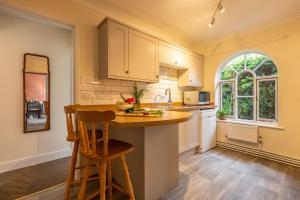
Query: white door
x,y
117,50
143,56
193,130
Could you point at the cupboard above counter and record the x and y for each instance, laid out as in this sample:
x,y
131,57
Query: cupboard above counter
x,y
129,54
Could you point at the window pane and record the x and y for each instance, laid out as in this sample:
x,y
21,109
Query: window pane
x,y
253,60
267,99
245,84
227,98
245,108
268,68
237,63
228,74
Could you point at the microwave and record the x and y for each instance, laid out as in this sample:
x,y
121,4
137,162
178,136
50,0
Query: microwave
x,y
196,98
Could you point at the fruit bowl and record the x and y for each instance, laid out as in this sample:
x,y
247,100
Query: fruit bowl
x,y
124,106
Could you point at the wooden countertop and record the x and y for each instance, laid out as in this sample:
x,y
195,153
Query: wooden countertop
x,y
169,117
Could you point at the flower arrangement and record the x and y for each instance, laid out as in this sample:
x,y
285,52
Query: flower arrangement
x,y
125,103
138,94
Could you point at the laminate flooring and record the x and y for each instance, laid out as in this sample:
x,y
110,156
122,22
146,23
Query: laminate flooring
x,y
222,174
25,181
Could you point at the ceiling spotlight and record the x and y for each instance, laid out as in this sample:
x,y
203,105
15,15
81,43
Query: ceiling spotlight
x,y
211,22
221,10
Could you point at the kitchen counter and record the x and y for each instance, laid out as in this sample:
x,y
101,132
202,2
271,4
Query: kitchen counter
x,y
154,163
169,117
189,108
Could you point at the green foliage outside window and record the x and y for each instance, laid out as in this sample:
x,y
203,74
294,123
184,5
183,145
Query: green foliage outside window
x,y
267,98
227,98
241,66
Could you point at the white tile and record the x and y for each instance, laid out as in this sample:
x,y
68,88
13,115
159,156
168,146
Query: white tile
x,y
101,96
106,88
97,88
111,82
102,102
86,87
119,89
127,83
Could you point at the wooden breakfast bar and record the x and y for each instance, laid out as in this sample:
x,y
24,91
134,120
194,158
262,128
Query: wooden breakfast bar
x,y
154,163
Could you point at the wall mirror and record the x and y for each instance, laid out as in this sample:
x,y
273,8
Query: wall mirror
x,y
36,78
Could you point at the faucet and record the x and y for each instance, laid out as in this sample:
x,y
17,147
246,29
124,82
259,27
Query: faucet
x,y
170,98
156,103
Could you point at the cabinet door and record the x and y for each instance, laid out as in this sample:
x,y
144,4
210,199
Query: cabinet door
x,y
172,55
182,136
143,56
195,71
117,50
193,130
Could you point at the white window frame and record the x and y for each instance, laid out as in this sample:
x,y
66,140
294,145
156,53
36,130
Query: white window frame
x,y
261,79
256,80
250,96
233,96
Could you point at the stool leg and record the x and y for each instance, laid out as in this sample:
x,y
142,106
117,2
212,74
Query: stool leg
x,y
109,178
102,177
126,174
71,171
82,189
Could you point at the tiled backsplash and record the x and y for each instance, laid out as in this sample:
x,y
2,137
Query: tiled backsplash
x,y
108,91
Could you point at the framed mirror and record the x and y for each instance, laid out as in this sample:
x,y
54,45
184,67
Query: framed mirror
x,y
36,86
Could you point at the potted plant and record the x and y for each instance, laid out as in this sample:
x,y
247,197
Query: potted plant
x,y
221,114
137,95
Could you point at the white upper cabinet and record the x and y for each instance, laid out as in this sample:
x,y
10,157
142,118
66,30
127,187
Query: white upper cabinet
x,y
172,56
127,54
189,64
193,76
143,56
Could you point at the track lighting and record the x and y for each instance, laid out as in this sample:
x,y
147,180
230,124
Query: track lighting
x,y
213,18
221,8
212,22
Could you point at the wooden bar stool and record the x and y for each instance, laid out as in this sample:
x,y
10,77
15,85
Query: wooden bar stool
x,y
73,136
102,153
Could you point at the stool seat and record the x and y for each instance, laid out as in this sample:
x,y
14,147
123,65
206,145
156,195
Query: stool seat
x,y
115,147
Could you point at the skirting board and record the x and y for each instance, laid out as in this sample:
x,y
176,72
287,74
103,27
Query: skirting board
x,y
34,160
260,153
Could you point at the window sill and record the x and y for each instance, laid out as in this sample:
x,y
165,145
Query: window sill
x,y
259,124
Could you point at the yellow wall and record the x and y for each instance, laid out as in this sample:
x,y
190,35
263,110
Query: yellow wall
x,y
85,22
282,44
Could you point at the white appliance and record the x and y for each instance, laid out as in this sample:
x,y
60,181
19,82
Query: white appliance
x,y
196,97
208,130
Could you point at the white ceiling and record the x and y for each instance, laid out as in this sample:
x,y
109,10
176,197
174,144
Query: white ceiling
x,y
190,17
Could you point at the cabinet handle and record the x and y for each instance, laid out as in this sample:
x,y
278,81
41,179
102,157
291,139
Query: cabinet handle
x,y
157,76
127,72
190,81
176,62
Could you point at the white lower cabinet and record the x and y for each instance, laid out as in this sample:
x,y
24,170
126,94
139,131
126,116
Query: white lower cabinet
x,y
199,131
189,133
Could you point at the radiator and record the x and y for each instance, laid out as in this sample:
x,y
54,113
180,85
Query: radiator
x,y
245,133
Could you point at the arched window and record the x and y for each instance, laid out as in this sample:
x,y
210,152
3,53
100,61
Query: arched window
x,y
248,88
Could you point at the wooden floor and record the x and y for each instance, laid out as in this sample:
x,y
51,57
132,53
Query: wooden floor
x,y
229,175
224,174
21,182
